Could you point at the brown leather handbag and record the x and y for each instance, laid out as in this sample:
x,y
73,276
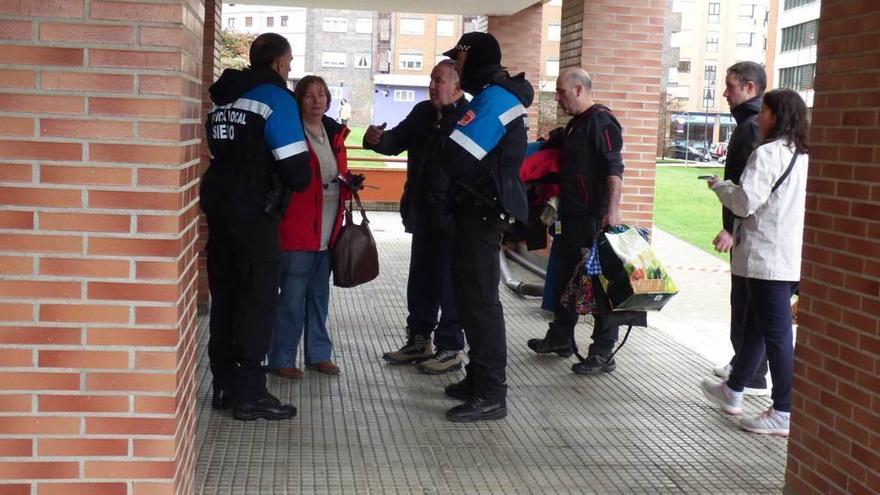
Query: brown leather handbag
x,y
355,257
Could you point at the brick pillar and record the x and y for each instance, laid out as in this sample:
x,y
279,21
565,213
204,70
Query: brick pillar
x,y
210,73
834,445
99,158
621,44
520,38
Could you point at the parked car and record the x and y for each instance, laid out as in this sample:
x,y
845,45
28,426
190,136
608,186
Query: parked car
x,y
719,149
686,152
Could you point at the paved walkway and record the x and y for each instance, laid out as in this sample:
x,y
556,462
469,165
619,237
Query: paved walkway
x,y
380,429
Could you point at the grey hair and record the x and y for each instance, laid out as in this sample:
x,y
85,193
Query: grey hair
x,y
450,64
580,76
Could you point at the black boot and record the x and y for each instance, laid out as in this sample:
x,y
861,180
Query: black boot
x,y
463,390
222,399
594,364
545,346
266,407
477,409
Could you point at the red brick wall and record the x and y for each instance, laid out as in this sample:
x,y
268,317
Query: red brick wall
x,y
520,38
99,158
620,45
835,434
210,73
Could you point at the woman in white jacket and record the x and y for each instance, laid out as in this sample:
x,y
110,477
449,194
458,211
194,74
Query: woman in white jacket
x,y
768,234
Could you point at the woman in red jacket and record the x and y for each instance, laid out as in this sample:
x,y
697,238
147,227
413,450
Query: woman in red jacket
x,y
308,233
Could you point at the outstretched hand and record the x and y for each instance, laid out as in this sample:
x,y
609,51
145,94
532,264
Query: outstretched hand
x,y
374,133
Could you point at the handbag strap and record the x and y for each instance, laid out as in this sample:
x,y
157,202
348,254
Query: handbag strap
x,y
360,206
785,174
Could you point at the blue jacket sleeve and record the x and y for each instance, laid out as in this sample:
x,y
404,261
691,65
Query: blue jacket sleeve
x,y
285,137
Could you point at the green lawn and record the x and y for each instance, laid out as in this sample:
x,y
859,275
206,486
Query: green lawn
x,y
356,138
686,208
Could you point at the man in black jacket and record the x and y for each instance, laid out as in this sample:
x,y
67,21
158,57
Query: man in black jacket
x,y
424,212
590,179
258,154
482,156
745,84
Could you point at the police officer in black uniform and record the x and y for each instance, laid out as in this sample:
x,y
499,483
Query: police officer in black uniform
x,y
258,155
483,155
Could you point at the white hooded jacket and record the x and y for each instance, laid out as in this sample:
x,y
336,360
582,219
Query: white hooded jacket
x,y
768,235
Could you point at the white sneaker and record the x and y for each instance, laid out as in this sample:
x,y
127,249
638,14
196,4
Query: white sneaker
x,y
721,394
756,392
723,372
770,422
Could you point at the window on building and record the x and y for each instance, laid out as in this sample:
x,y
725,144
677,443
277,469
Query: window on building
x,y
684,66
551,68
445,27
799,36
333,59
712,42
411,61
270,22
714,13
798,78
248,21
710,71
362,61
746,11
791,4
412,25
336,93
335,25
284,20
554,32
363,26
230,23
744,39
709,98
404,95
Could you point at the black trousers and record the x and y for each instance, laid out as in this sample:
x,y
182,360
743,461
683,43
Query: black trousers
x,y
577,233
243,269
476,274
429,288
739,313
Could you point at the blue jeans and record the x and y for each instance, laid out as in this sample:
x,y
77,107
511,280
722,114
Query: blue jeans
x,y
767,330
305,297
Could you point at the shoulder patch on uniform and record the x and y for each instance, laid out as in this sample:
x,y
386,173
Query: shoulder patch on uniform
x,y
467,118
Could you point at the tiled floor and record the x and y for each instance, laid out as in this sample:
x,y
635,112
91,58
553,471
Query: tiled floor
x,y
380,429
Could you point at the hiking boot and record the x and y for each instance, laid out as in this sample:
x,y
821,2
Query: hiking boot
x,y
594,364
543,346
463,390
416,350
222,399
721,394
770,422
441,362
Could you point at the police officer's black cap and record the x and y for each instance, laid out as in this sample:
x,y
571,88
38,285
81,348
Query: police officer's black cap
x,y
476,42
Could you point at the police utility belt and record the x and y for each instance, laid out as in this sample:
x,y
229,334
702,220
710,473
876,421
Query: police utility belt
x,y
481,199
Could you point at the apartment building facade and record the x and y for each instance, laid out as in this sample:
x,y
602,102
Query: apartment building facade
x,y
797,35
714,35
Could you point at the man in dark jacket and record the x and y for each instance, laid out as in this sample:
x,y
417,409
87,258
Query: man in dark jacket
x,y
424,213
745,84
258,154
591,175
482,156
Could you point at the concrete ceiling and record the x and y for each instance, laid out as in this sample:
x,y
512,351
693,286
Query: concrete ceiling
x,y
463,7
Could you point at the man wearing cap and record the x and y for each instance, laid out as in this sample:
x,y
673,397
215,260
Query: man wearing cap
x,y
482,156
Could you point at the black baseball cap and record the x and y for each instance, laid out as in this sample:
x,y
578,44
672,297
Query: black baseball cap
x,y
483,45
